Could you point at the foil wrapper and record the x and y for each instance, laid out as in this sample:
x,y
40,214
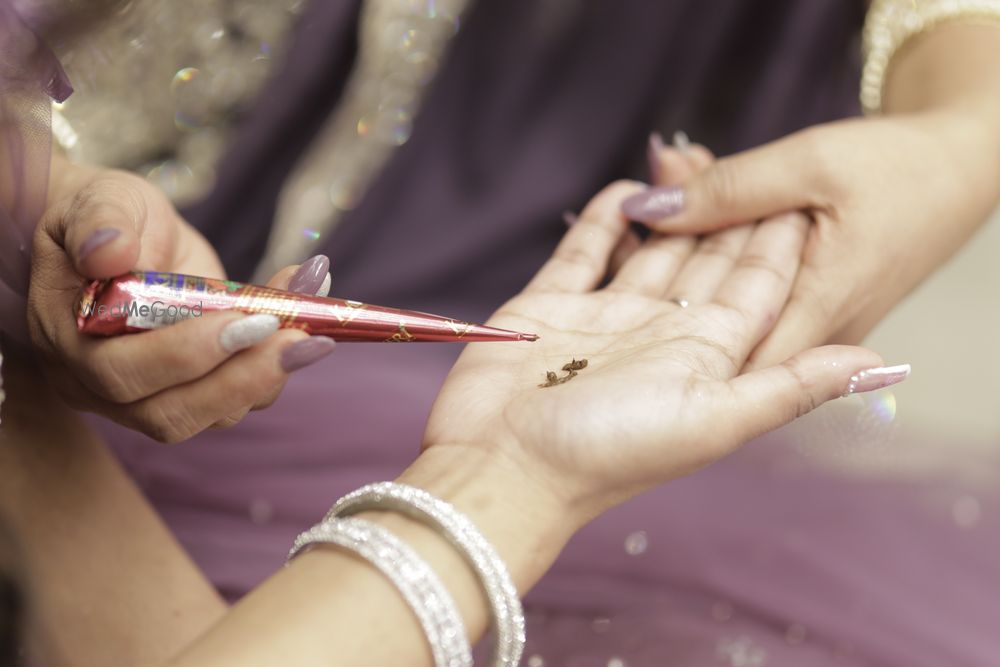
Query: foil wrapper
x,y
141,301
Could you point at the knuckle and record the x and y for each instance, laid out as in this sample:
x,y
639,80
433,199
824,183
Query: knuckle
x,y
116,377
230,420
719,246
166,420
113,195
806,388
578,256
722,185
268,400
763,263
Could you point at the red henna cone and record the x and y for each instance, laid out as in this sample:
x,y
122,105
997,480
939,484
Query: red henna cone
x,y
138,301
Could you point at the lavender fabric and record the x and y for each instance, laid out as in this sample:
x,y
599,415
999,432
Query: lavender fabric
x,y
538,105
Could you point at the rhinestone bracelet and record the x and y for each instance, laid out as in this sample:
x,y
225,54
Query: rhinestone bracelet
x,y
891,23
420,587
508,616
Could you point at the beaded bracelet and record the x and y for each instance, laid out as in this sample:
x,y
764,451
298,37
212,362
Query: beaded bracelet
x,y
420,587
891,23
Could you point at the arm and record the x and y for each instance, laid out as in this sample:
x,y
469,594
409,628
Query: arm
x,y
951,67
109,585
329,607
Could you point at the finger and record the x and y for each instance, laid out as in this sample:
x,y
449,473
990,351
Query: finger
x,y
759,284
311,277
652,266
101,226
128,368
667,164
771,179
711,261
626,247
766,399
231,420
675,164
699,157
281,279
180,412
580,261
805,322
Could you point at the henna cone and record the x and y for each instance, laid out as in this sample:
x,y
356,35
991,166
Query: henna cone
x,y
140,301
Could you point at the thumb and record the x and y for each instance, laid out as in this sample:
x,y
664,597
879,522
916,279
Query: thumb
x,y
101,226
772,397
745,187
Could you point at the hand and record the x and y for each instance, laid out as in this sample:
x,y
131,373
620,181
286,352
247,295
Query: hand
x,y
169,383
891,199
662,393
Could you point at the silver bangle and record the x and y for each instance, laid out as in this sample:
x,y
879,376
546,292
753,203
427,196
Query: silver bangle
x,y
508,616
891,23
420,587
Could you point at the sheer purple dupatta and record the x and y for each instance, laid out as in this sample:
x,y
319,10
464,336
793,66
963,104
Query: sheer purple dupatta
x,y
30,78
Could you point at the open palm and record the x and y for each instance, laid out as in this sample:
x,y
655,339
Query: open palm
x,y
664,341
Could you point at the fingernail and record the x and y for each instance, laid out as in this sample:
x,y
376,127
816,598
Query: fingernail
x,y
301,354
247,332
95,241
877,378
570,218
324,289
653,156
654,203
310,276
681,141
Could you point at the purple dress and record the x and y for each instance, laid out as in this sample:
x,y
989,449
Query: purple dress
x,y
745,564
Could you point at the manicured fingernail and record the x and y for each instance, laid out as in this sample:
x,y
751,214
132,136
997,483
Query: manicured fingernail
x,y
324,289
310,276
681,141
570,218
301,354
654,203
653,150
877,378
247,332
95,241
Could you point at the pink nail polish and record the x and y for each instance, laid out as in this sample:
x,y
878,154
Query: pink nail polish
x,y
309,277
877,378
654,204
95,241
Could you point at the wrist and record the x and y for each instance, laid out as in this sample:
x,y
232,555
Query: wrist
x,y
521,516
